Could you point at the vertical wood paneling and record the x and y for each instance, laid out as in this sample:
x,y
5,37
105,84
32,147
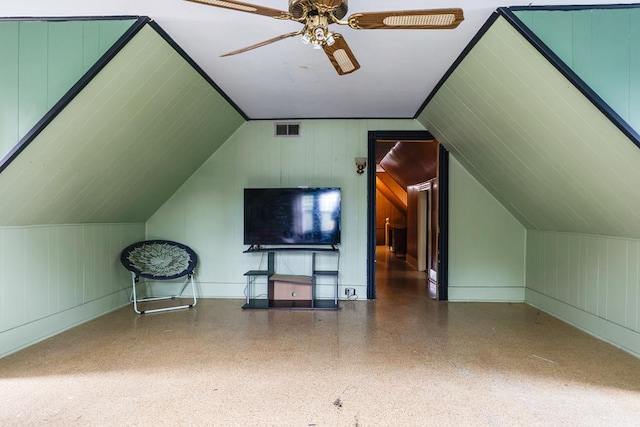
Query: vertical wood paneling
x,y
584,274
486,243
53,275
206,212
86,168
573,290
533,140
2,280
66,259
9,72
563,264
632,309
602,273
556,25
91,50
89,262
533,261
32,83
40,61
617,280
600,46
64,52
634,64
592,275
550,271
611,48
50,270
14,269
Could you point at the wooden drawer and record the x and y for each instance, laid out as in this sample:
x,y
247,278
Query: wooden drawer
x,y
290,291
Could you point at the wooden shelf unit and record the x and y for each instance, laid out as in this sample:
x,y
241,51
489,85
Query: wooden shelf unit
x,y
274,299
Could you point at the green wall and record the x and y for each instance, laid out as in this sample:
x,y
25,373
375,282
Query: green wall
x,y
602,46
592,282
40,61
486,243
206,213
54,277
83,188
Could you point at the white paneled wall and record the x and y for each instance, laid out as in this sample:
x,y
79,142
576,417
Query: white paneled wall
x,y
54,277
207,212
592,282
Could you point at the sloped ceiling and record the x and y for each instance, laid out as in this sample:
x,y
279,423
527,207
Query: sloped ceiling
x,y
408,162
534,141
123,145
287,79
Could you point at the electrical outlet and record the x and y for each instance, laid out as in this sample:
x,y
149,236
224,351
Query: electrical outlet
x,y
349,292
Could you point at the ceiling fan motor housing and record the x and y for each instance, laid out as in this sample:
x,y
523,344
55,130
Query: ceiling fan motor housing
x,y
301,8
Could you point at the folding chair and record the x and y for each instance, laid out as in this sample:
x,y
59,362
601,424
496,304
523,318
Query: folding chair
x,y
159,260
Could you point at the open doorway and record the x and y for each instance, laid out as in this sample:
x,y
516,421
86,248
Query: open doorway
x,y
407,205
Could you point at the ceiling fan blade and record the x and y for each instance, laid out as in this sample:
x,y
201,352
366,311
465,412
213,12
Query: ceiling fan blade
x,y
264,43
246,7
407,19
330,3
341,57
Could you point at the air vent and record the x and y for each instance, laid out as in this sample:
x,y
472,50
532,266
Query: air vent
x,y
287,129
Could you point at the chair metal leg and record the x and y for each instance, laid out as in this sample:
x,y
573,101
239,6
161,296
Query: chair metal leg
x,y
135,300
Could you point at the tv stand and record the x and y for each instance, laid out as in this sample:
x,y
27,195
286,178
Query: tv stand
x,y
287,291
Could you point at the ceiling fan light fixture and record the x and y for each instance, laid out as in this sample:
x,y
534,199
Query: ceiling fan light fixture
x,y
330,40
317,16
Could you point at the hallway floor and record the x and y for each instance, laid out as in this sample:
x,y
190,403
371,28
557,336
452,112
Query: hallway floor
x,y
402,360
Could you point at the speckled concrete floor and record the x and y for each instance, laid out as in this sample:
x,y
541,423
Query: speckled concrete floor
x,y
402,360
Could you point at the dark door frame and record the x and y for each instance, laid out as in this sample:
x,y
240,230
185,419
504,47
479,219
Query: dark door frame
x,y
443,208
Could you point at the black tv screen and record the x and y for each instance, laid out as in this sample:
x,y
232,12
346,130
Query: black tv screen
x,y
292,216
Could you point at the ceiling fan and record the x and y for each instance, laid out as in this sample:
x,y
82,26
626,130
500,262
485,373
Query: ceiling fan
x,y
317,15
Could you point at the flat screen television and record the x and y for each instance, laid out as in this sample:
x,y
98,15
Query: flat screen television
x,y
292,216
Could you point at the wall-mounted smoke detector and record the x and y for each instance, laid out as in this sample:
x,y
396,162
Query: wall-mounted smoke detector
x,y
287,129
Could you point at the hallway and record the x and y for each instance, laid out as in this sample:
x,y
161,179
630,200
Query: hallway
x,y
402,360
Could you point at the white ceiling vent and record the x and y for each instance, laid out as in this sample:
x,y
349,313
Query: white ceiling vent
x,y
287,129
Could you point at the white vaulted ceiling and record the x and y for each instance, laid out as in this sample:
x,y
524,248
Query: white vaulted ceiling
x,y
287,79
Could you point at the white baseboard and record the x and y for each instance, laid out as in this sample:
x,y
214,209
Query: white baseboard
x,y
616,335
22,336
485,294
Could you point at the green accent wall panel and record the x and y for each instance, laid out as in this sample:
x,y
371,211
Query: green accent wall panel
x,y
123,145
57,276
32,84
486,243
535,142
40,61
9,77
634,63
64,57
590,277
562,168
601,47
